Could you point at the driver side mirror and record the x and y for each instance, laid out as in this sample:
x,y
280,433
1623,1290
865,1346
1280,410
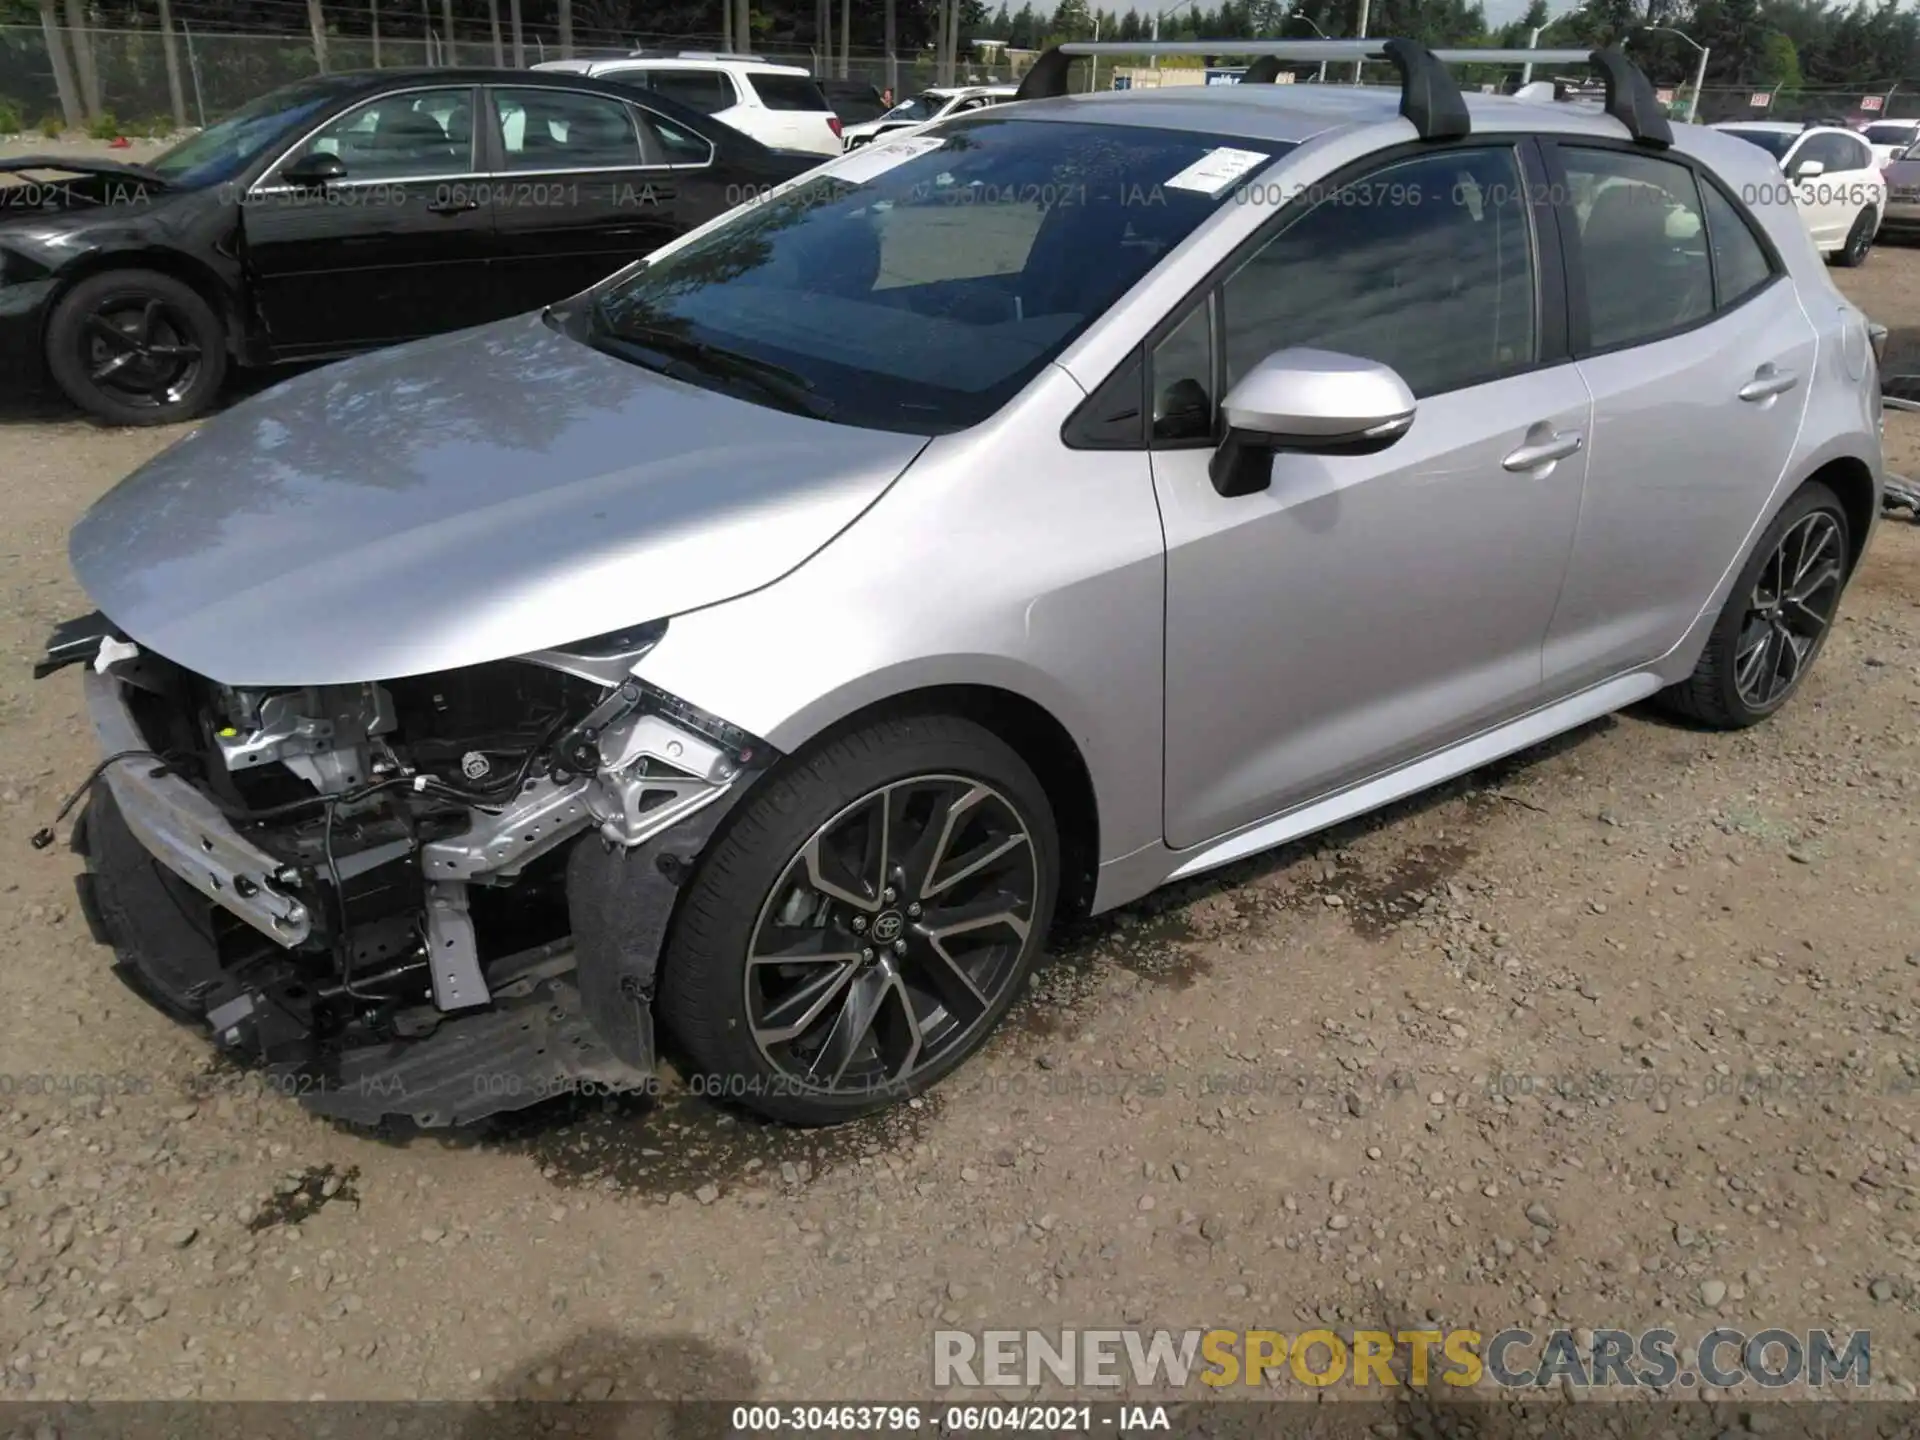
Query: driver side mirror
x,y
1808,169
315,169
1315,401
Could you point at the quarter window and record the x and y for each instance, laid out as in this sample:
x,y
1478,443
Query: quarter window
x,y
1642,245
1740,265
562,130
1183,384
415,134
1425,265
681,146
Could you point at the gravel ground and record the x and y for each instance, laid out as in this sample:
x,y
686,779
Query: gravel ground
x,y
1290,1094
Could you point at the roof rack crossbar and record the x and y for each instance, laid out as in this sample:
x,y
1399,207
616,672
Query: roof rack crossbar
x,y
1428,95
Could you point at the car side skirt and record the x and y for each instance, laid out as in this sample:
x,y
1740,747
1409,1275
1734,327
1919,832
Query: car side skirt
x,y
1134,875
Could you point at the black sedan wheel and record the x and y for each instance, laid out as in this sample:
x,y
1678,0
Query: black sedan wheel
x,y
135,347
867,921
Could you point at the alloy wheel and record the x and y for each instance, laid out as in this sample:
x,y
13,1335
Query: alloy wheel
x,y
142,349
891,935
1791,607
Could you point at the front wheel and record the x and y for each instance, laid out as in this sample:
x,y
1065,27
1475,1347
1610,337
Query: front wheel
x,y
136,347
1776,619
1859,240
865,923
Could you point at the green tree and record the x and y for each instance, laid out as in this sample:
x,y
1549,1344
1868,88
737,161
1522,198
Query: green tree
x,y
1779,62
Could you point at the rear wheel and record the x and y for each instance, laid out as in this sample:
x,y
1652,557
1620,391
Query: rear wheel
x,y
1776,619
135,347
1859,240
863,926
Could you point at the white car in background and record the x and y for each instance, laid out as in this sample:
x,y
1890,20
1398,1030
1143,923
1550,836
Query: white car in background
x,y
781,106
927,107
1833,178
1891,139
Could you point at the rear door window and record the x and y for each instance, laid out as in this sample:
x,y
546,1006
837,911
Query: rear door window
x,y
564,130
708,91
788,92
1642,248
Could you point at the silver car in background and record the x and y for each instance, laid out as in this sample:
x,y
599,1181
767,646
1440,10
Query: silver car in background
x,y
996,524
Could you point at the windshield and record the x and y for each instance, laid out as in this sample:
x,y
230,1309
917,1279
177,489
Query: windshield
x,y
1775,142
1890,134
228,146
917,285
920,107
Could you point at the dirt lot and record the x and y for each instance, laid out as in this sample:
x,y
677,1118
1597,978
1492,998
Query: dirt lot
x,y
1293,1093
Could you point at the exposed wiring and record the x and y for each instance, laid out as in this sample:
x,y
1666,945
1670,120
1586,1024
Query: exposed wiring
x,y
44,836
343,942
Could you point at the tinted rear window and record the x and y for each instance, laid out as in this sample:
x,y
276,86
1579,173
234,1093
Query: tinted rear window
x,y
1897,134
708,91
788,92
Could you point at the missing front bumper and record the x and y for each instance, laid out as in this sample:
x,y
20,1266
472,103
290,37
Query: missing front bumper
x,y
185,832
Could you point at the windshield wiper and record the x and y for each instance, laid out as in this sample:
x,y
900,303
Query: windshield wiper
x,y
791,391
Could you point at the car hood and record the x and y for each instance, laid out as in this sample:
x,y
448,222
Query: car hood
x,y
1902,172
463,499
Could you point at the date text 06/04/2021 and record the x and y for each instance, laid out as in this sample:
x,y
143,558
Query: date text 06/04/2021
x,y
972,1419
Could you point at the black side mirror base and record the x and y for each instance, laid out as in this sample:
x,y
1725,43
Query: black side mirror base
x,y
1243,464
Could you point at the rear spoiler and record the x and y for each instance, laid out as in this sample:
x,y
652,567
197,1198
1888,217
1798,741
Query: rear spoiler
x,y
1428,95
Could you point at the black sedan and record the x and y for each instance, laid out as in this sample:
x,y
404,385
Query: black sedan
x,y
343,213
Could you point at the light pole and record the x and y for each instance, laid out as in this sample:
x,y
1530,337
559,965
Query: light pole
x,y
1093,79
1360,34
1533,43
1158,17
1700,70
1306,20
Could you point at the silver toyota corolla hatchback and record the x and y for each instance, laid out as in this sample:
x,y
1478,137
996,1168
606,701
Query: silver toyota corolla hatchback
x,y
768,645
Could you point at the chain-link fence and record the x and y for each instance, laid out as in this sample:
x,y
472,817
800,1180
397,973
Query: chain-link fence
x,y
123,74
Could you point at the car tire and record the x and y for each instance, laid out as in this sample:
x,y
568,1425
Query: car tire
x,y
949,788
1734,685
1859,240
166,367
160,929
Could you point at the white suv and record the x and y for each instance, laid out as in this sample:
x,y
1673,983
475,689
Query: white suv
x,y
779,105
927,107
1832,179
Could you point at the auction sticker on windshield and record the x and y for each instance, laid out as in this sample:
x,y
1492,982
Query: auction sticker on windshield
x,y
872,161
1214,171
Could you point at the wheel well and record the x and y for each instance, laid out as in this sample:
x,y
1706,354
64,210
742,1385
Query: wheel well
x,y
1852,483
1041,741
171,263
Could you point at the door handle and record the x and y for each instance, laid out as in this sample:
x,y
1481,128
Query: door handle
x,y
452,207
1768,381
1556,446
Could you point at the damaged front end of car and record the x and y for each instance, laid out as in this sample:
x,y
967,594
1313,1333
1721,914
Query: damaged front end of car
x,y
434,897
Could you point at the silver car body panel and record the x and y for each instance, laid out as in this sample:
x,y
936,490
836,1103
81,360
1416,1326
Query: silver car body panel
x,y
458,500
1219,705
1329,772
